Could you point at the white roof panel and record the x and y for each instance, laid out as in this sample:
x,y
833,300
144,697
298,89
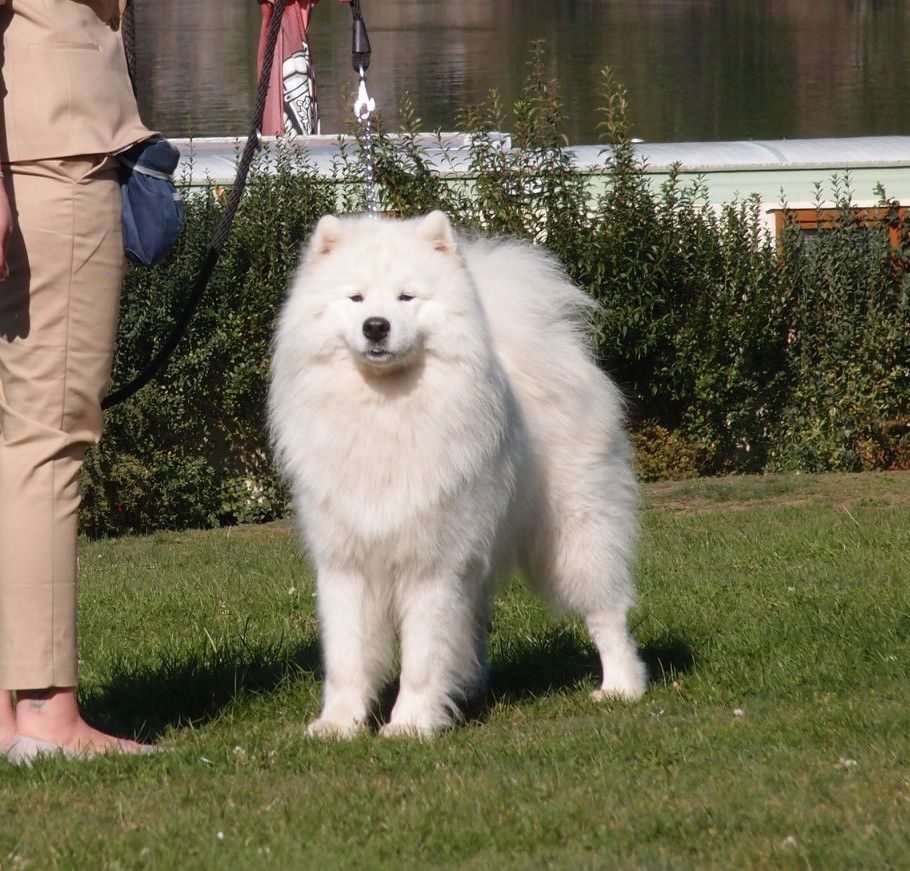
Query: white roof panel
x,y
215,159
763,154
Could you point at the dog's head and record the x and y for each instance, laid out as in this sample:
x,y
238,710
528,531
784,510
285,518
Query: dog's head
x,y
384,292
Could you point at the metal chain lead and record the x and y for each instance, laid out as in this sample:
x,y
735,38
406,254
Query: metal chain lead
x,y
364,106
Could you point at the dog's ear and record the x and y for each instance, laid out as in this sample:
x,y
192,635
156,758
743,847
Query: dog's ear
x,y
326,236
437,229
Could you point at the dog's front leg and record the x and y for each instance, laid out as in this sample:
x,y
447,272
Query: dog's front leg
x,y
356,648
441,653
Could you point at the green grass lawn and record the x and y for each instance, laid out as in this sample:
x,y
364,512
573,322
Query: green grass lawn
x,y
775,617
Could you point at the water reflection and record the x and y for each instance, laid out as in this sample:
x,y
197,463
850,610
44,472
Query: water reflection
x,y
695,69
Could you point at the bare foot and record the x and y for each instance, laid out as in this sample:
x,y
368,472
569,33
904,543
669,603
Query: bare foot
x,y
7,719
53,715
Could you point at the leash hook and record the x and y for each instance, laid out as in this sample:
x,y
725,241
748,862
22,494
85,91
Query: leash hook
x,y
364,105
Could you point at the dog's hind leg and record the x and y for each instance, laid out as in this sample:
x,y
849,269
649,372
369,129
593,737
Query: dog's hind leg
x,y
579,561
624,674
357,650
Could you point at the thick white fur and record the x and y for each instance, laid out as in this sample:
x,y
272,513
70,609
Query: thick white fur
x,y
479,433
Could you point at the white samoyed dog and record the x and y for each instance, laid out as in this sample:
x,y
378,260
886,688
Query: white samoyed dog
x,y
437,412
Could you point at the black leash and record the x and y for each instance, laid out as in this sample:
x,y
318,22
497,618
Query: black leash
x,y
210,260
128,32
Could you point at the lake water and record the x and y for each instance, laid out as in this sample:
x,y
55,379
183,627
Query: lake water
x,y
694,69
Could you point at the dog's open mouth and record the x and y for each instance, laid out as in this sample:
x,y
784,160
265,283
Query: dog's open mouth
x,y
378,355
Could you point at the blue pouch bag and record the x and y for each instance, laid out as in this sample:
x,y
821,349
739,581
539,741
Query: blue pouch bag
x,y
153,209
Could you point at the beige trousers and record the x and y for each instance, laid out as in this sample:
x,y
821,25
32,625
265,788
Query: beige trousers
x,y
58,319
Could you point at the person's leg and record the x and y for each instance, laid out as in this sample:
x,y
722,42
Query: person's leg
x,y
53,715
7,719
58,315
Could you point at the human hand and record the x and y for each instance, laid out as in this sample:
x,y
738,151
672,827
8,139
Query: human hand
x,y
6,229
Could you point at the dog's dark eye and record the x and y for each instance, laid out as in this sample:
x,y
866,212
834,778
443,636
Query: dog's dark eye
x,y
356,297
405,297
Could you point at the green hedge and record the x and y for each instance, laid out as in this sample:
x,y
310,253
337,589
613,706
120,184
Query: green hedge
x,y
738,353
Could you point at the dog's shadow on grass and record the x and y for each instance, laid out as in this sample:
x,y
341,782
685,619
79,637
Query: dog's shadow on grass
x,y
192,688
195,688
524,669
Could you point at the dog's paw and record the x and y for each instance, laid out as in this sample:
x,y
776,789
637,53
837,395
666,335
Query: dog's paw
x,y
627,684
417,716
409,730
334,730
615,694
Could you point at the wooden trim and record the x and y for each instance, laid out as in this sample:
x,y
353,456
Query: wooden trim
x,y
826,219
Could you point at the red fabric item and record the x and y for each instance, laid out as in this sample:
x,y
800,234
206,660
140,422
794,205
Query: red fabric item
x,y
291,105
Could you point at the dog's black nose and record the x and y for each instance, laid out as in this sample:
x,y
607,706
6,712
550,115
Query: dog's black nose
x,y
376,329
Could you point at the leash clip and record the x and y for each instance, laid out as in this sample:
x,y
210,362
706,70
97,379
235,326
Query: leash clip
x,y
364,105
